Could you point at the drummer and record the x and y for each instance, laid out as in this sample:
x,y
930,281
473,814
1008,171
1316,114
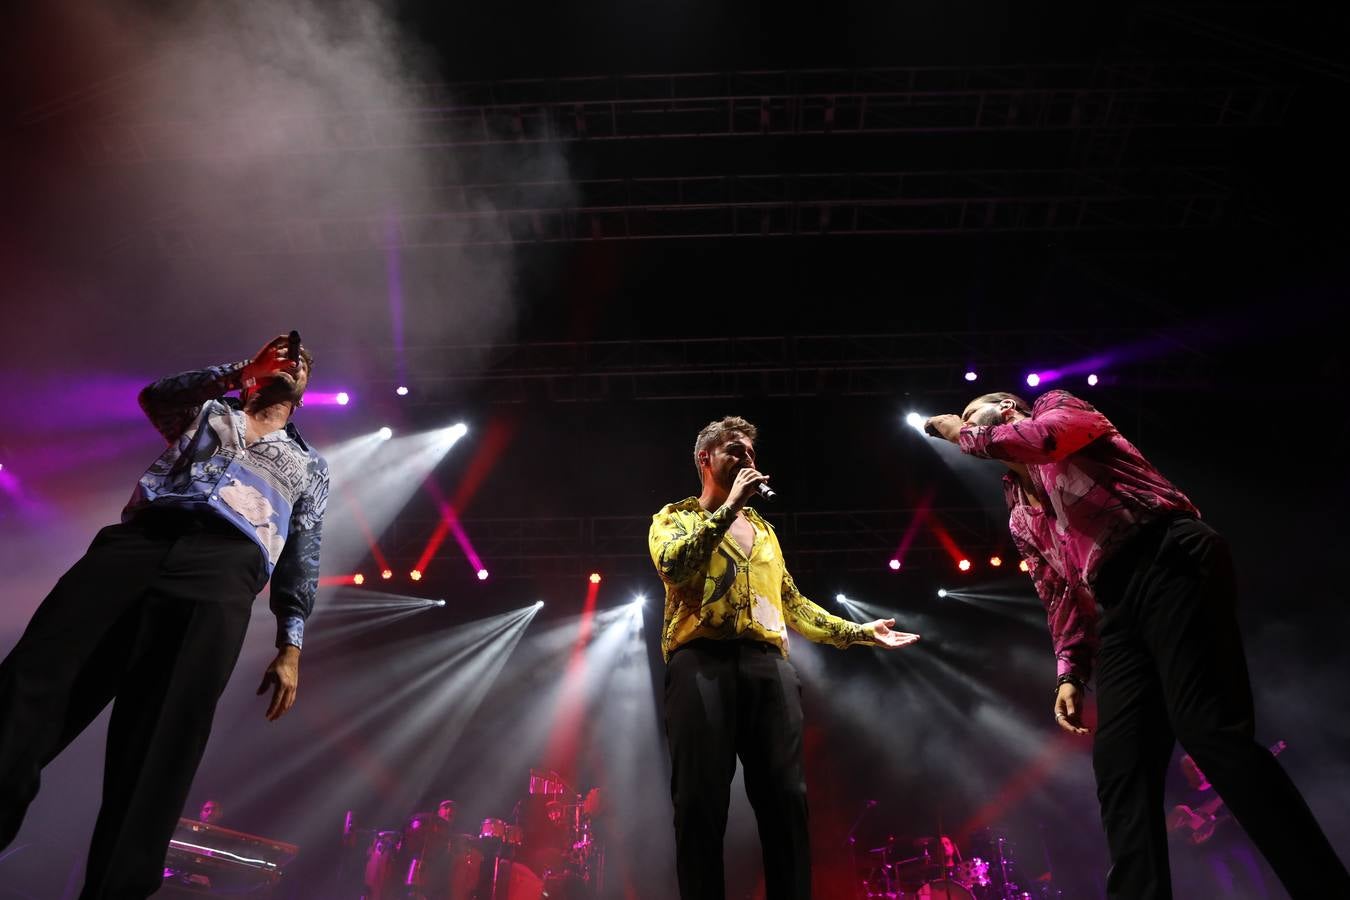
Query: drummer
x,y
951,856
446,810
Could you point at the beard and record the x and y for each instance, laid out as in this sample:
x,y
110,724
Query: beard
x,y
281,389
987,417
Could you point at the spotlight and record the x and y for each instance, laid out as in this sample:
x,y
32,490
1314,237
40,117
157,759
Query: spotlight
x,y
840,598
458,430
387,574
385,433
638,601
401,390
895,565
964,565
971,376
942,592
915,421
2,467
595,578
440,602
1033,379
358,578
482,574
415,574
1092,380
995,561
1024,566
539,604
342,398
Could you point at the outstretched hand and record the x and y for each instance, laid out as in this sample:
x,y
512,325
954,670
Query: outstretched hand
x,y
883,633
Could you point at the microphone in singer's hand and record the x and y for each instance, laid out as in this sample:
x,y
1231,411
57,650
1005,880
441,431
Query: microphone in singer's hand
x,y
766,492
293,345
929,430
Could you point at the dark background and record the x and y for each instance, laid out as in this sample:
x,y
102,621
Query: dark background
x,y
1159,187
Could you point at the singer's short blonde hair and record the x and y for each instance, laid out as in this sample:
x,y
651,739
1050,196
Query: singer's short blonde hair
x,y
716,431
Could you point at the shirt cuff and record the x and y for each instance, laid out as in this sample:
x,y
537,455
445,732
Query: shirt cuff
x,y
290,630
1065,666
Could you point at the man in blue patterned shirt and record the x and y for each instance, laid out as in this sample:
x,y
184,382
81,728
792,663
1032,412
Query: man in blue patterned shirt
x,y
155,612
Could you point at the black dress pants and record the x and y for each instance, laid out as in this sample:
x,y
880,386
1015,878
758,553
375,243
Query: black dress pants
x,y
726,699
154,615
1171,667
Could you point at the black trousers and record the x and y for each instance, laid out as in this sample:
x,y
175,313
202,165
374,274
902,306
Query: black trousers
x,y
1171,668
154,614
726,699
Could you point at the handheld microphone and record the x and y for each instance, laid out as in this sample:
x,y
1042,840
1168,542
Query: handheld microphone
x,y
766,492
293,345
929,430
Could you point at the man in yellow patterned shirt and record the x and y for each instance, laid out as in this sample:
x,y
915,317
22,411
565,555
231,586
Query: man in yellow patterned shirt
x,y
730,690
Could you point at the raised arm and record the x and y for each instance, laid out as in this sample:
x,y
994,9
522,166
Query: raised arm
x,y
172,403
1061,424
681,549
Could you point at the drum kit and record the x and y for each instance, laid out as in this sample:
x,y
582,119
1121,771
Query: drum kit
x,y
550,850
992,876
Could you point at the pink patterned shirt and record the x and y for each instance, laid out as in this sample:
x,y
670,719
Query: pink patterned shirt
x,y
1094,488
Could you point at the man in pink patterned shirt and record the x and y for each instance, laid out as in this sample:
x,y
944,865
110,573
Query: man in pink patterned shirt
x,y
1135,584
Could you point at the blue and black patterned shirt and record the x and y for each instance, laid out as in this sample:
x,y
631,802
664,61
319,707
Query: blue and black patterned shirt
x,y
274,490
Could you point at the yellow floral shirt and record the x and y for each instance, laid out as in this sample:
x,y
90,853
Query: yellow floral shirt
x,y
713,590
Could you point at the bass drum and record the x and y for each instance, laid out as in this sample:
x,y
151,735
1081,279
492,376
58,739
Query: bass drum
x,y
944,889
517,882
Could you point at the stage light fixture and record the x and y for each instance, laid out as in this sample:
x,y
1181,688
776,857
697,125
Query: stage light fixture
x,y
343,398
1022,564
595,578
387,574
385,433
358,578
895,565
971,375
482,574
415,574
995,561
915,421
964,565
1092,380
401,390
942,592
440,602
1033,379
